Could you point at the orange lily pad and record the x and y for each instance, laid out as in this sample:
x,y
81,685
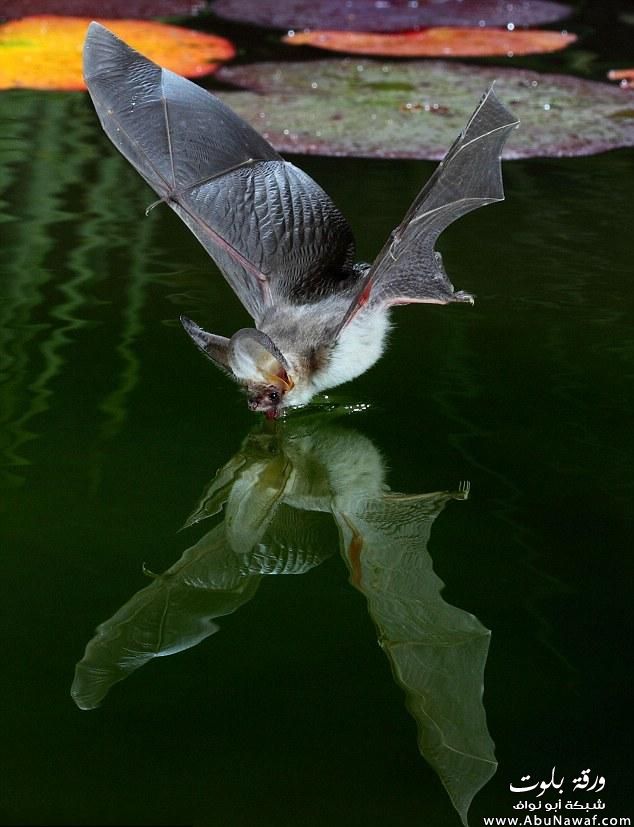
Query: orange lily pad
x,y
624,76
45,52
442,41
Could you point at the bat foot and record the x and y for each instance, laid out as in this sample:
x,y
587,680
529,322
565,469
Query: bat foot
x,y
464,487
463,296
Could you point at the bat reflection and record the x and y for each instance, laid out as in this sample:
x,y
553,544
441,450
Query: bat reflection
x,y
286,501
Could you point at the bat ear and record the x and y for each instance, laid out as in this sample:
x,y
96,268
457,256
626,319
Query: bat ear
x,y
214,347
253,356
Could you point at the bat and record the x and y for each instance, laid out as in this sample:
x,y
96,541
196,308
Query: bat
x,y
320,318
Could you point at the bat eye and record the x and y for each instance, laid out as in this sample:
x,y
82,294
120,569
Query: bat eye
x,y
274,396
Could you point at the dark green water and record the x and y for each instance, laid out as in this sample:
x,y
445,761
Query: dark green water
x,y
112,426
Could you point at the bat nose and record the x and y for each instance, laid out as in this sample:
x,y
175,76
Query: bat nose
x,y
253,404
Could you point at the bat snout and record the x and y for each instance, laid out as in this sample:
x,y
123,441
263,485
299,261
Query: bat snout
x,y
262,403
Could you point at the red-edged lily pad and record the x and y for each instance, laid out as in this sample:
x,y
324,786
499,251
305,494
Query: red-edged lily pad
x,y
389,15
415,109
624,76
45,52
446,41
129,9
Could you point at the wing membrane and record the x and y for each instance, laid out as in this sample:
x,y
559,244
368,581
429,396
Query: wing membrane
x,y
408,269
269,226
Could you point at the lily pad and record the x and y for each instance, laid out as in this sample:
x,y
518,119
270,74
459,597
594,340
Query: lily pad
x,y
441,41
45,52
415,109
137,9
389,15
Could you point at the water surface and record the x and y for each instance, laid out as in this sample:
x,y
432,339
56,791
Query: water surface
x,y
274,703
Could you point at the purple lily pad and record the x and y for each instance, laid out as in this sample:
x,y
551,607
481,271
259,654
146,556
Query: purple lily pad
x,y
135,9
415,109
389,15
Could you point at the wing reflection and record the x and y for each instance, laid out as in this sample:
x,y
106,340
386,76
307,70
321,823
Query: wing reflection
x,y
437,652
283,497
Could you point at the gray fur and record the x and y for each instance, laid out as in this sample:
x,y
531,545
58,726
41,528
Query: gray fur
x,y
279,240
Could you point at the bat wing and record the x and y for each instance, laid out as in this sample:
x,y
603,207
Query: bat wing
x,y
270,228
408,269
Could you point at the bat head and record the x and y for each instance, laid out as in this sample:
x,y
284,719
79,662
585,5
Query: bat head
x,y
253,360
257,363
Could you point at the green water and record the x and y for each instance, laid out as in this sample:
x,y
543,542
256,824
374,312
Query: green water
x,y
273,703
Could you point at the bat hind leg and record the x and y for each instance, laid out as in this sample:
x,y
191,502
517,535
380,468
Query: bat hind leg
x,y
451,295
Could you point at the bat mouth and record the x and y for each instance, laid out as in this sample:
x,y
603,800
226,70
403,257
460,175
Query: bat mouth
x,y
270,413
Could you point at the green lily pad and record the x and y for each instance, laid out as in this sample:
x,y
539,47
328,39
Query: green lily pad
x,y
415,109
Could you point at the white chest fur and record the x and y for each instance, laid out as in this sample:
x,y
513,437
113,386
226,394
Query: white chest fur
x,y
360,345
